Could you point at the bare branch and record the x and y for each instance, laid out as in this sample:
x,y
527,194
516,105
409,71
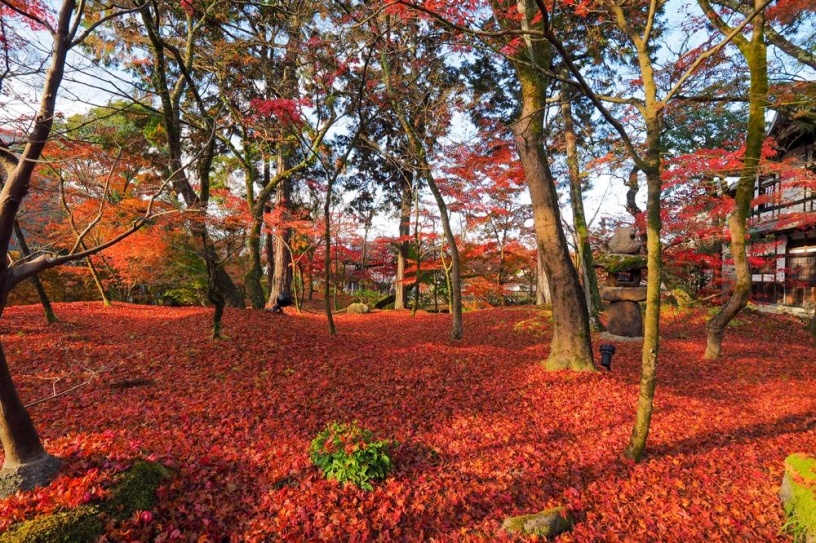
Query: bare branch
x,y
713,50
55,394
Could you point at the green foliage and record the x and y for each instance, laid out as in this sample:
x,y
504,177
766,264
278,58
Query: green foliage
x,y
348,453
368,297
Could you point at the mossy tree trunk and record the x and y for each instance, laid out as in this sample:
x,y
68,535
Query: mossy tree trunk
x,y
586,265
651,319
755,53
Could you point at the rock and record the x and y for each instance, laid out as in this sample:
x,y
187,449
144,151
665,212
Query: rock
x,y
624,319
358,308
623,294
798,495
547,523
625,241
27,476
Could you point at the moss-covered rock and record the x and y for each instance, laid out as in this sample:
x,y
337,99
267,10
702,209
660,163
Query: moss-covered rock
x,y
134,491
76,526
547,523
798,494
614,262
359,308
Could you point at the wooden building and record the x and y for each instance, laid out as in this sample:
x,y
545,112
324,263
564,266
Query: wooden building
x,y
783,231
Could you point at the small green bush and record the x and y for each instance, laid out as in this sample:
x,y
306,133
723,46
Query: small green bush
x,y
368,297
348,453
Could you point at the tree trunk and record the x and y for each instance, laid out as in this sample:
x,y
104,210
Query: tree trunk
x,y
50,317
418,245
455,281
756,56
253,276
631,194
327,257
651,321
282,278
97,281
542,282
26,463
571,346
400,292
586,264
269,248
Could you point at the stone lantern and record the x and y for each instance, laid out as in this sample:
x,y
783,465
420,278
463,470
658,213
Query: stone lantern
x,y
624,270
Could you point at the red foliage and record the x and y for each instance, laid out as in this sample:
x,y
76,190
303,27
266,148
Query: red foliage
x,y
484,431
285,111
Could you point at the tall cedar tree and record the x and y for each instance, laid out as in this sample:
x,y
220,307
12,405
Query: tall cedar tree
x,y
422,74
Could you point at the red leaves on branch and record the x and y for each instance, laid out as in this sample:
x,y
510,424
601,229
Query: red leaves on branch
x,y
286,111
484,431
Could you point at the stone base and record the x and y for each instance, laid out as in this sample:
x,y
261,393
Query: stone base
x,y
28,476
624,319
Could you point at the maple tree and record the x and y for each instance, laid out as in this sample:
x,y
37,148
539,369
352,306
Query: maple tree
x,y
488,182
25,461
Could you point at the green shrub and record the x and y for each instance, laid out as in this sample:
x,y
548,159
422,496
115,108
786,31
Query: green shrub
x,y
368,297
348,453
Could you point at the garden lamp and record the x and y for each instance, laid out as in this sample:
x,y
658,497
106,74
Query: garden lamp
x,y
606,356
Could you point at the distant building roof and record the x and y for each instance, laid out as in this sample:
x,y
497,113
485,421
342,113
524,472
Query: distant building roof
x,y
796,123
785,223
